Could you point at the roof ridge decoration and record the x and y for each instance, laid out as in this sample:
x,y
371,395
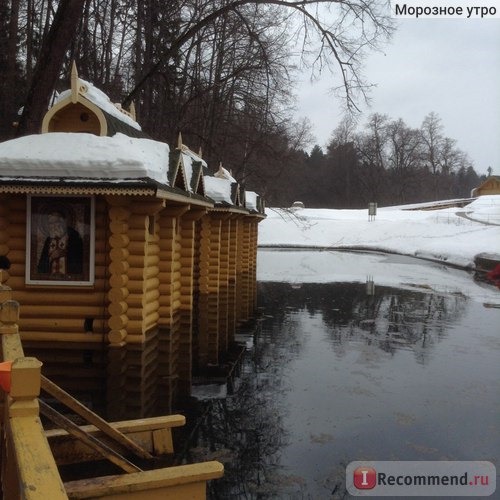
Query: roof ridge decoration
x,y
196,157
180,176
192,167
119,107
79,87
180,180
223,173
76,87
107,117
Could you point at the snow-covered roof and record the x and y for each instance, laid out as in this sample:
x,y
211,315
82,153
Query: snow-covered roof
x,y
79,155
251,200
56,158
193,156
100,99
218,189
189,171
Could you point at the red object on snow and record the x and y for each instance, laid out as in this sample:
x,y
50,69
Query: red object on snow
x,y
494,275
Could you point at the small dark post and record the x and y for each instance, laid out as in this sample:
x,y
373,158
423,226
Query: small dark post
x,y
372,211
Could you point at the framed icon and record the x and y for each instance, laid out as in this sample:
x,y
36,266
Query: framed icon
x,y
60,240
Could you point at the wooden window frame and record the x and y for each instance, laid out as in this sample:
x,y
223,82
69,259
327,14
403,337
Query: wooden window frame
x,y
76,266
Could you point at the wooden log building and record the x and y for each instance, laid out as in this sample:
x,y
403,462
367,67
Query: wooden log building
x,y
489,186
132,264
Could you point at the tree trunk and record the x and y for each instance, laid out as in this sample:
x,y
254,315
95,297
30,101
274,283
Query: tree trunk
x,y
8,57
49,64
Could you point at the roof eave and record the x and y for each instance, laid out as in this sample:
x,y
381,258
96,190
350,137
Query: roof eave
x,y
142,187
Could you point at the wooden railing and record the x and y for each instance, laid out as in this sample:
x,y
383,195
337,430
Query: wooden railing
x,y
28,466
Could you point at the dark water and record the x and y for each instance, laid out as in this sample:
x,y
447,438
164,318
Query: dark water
x,y
333,375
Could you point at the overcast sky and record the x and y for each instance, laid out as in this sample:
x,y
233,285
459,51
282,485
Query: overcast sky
x,y
449,66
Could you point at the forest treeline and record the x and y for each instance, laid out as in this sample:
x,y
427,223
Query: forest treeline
x,y
222,73
385,161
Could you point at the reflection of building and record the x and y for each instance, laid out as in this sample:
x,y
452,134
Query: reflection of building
x,y
490,186
173,253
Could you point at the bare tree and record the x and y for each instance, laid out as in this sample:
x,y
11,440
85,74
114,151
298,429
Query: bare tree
x,y
9,39
405,158
433,143
321,21
219,70
371,147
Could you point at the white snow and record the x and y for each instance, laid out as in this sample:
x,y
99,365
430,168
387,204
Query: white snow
x,y
453,235
194,157
78,155
187,165
333,266
218,189
251,200
223,173
100,99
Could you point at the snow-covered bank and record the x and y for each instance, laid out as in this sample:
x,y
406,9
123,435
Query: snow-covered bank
x,y
453,236
330,266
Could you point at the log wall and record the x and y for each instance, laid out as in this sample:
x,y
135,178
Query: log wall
x,y
172,283
63,326
77,314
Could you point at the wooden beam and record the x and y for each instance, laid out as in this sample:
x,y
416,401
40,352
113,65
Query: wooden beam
x,y
153,434
91,441
75,405
166,484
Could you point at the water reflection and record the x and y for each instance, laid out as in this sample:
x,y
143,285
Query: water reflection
x,y
387,317
335,374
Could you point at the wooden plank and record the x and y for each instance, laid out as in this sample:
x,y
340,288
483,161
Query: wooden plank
x,y
75,405
148,481
162,441
68,450
37,471
91,441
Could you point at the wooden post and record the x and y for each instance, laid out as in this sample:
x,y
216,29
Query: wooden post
x,y
37,472
166,360
223,325
213,290
187,238
232,268
117,295
28,467
203,284
186,305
